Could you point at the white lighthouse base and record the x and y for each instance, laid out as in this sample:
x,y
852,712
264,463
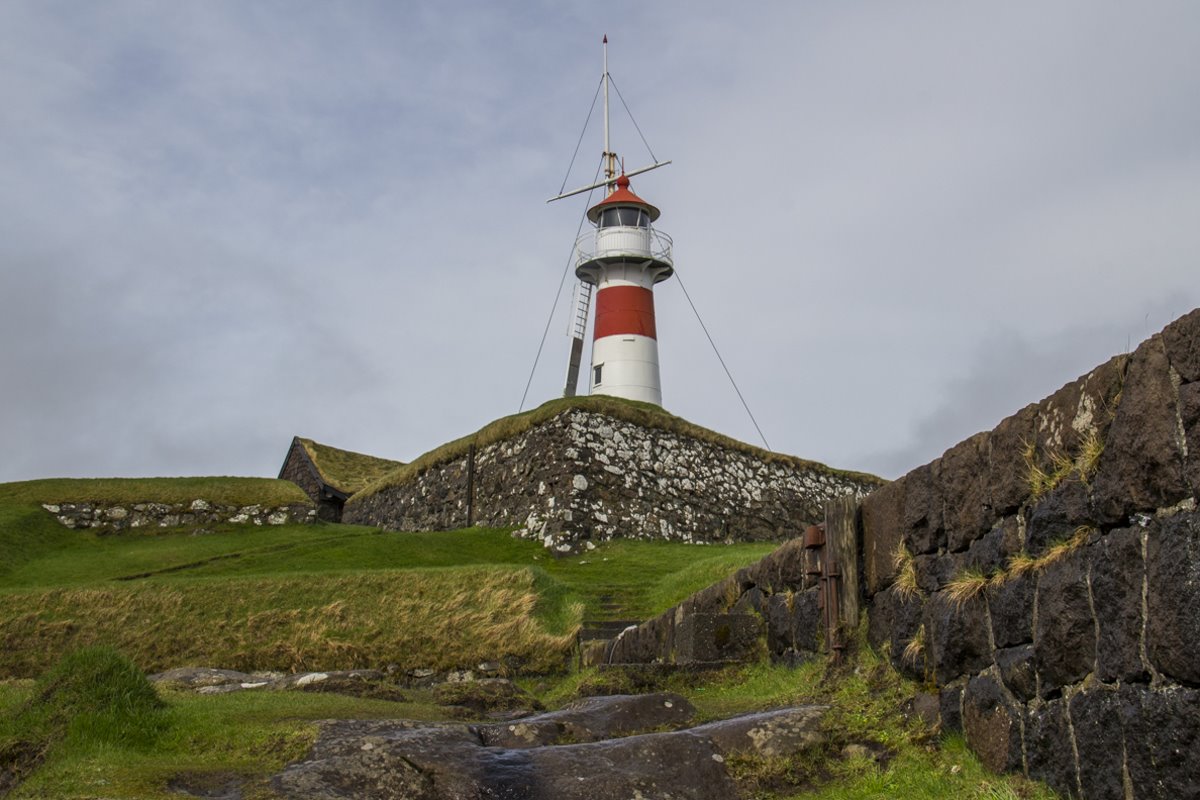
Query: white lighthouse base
x,y
628,367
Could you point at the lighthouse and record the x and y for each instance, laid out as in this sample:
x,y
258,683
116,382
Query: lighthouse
x,y
619,260
623,258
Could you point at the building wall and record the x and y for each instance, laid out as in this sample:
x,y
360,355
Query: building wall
x,y
584,476
1078,662
298,469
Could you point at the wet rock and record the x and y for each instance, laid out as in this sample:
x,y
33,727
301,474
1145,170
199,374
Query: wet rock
x,y
992,724
1141,468
643,644
1116,575
767,733
935,571
1011,607
1095,717
1049,755
1017,671
893,620
593,719
1173,579
1189,412
987,553
793,625
1065,644
751,602
1007,471
1057,516
950,706
1182,341
964,471
1162,741
923,522
925,706
430,762
956,638
486,695
717,637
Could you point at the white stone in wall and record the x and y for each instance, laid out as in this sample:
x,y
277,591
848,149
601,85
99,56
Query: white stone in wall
x,y
579,482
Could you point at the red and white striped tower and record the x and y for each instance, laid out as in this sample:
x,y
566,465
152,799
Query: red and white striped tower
x,y
623,258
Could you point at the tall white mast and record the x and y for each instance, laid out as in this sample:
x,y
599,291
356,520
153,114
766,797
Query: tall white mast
x,y
610,158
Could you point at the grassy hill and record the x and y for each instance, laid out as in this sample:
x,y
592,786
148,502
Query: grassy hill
x,y
336,596
310,596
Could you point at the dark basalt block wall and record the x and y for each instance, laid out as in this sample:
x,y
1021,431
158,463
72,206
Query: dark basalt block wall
x,y
584,476
1078,661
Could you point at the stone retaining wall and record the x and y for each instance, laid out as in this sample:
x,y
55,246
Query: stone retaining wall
x,y
163,515
584,476
1045,577
727,621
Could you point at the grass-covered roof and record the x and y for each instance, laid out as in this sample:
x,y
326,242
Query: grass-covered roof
x,y
346,470
645,414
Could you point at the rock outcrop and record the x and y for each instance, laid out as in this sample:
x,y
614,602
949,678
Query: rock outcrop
x,y
566,755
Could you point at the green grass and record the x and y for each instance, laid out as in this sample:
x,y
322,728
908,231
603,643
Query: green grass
x,y
345,469
261,597
644,414
250,735
222,490
28,533
866,696
327,596
93,698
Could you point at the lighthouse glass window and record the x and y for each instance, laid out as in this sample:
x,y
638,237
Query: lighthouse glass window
x,y
597,370
628,217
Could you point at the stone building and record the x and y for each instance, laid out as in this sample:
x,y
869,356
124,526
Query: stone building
x,y
585,469
330,476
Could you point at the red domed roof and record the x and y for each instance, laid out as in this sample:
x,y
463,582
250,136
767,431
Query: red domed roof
x,y
621,196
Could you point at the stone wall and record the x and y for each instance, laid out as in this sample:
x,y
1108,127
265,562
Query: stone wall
x,y
584,476
773,601
1045,577
163,515
299,469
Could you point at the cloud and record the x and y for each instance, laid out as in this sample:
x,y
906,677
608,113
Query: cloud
x,y
222,225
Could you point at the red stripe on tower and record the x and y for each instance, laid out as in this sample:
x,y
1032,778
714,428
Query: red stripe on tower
x,y
625,310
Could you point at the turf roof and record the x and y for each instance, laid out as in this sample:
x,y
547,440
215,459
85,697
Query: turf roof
x,y
346,470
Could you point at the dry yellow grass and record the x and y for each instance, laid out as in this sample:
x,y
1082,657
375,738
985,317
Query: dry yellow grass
x,y
915,648
906,585
1059,550
965,586
437,619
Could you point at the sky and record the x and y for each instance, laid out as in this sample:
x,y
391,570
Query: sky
x,y
223,224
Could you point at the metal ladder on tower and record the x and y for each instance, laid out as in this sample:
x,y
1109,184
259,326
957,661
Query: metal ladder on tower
x,y
583,305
